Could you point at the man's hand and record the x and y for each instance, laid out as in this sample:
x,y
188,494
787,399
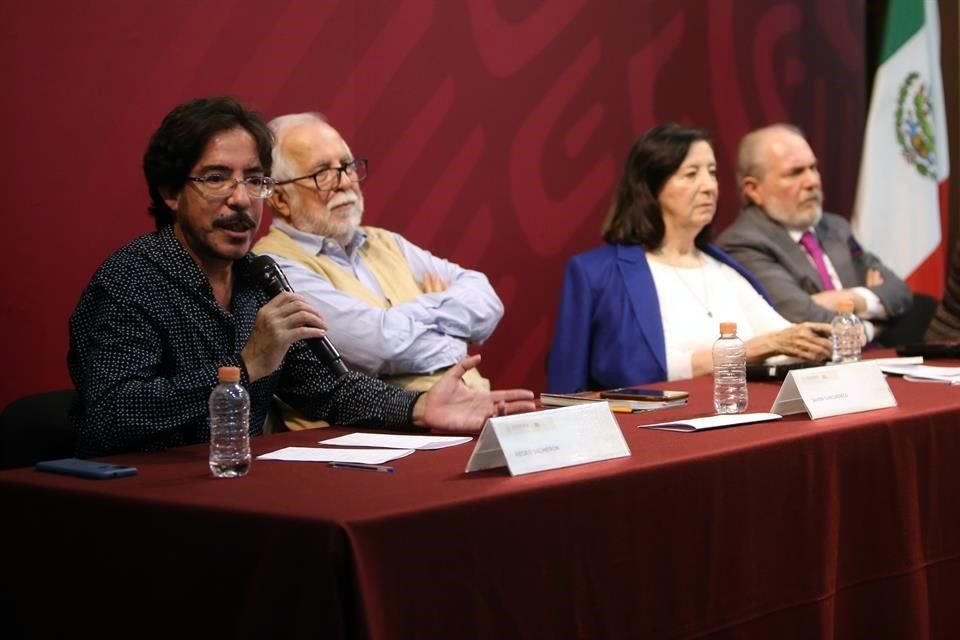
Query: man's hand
x,y
830,299
808,340
284,320
432,283
874,278
451,405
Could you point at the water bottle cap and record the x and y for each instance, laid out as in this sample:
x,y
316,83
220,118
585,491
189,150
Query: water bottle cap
x,y
728,327
228,374
845,306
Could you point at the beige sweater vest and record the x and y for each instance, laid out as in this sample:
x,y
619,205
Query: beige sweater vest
x,y
385,260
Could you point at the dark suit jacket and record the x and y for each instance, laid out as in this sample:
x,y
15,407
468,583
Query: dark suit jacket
x,y
782,266
609,332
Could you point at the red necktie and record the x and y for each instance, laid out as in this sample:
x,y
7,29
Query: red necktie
x,y
812,245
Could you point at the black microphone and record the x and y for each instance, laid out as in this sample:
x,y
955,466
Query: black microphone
x,y
274,282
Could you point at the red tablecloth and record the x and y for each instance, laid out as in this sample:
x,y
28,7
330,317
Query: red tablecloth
x,y
845,527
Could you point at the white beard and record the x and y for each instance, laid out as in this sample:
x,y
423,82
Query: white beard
x,y
343,224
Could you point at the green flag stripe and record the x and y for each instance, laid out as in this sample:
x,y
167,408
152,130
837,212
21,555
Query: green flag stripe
x,y
904,18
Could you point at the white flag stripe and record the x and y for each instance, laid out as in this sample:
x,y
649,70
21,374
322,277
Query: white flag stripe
x,y
932,29
897,213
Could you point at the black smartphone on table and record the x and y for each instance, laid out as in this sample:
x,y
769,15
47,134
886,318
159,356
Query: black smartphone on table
x,y
86,468
634,393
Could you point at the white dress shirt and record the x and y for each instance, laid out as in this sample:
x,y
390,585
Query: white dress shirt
x,y
875,309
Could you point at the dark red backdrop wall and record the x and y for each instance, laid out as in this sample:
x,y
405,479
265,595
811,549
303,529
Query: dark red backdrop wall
x,y
495,129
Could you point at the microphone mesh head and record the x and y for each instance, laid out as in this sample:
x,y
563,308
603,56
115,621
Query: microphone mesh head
x,y
271,277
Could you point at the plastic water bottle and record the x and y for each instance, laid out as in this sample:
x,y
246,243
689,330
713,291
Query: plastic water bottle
x,y
729,371
848,334
229,426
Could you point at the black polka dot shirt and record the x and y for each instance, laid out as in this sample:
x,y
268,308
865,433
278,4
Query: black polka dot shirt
x,y
146,340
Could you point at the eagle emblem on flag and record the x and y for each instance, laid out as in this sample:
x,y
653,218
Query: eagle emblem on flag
x,y
914,125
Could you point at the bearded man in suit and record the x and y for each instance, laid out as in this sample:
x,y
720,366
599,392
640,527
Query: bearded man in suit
x,y
806,259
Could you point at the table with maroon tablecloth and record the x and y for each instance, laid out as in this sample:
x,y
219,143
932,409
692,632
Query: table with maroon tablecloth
x,y
845,527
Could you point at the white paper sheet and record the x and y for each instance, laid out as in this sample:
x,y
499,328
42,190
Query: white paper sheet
x,y
394,441
951,381
924,371
316,454
711,422
903,361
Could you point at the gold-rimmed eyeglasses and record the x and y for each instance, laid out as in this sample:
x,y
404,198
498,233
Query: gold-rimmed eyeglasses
x,y
219,185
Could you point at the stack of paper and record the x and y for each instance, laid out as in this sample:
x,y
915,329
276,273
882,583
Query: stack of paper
x,y
394,441
383,448
316,454
924,373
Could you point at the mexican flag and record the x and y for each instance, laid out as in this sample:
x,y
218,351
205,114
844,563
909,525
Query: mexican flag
x,y
901,205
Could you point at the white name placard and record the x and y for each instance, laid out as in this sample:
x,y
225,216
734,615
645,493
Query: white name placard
x,y
834,390
551,439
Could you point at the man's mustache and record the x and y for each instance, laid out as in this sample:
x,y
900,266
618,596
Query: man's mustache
x,y
343,200
238,218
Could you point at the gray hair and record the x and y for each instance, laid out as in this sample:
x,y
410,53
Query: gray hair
x,y
749,160
279,126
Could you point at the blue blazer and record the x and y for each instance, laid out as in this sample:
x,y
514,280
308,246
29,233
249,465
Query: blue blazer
x,y
609,332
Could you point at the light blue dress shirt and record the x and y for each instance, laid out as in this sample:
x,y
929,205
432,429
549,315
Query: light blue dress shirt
x,y
424,335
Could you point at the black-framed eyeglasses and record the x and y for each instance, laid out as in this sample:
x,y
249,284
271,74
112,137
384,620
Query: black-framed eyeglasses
x,y
329,178
219,185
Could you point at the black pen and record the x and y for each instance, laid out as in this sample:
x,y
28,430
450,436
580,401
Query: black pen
x,y
362,465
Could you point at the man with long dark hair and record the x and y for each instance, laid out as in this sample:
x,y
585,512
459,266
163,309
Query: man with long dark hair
x,y
164,312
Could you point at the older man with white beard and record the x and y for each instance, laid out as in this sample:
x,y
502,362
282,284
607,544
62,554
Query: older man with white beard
x,y
807,260
393,310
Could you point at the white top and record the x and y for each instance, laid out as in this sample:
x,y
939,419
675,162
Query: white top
x,y
688,294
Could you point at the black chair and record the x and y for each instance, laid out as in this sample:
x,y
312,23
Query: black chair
x,y
910,327
37,427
